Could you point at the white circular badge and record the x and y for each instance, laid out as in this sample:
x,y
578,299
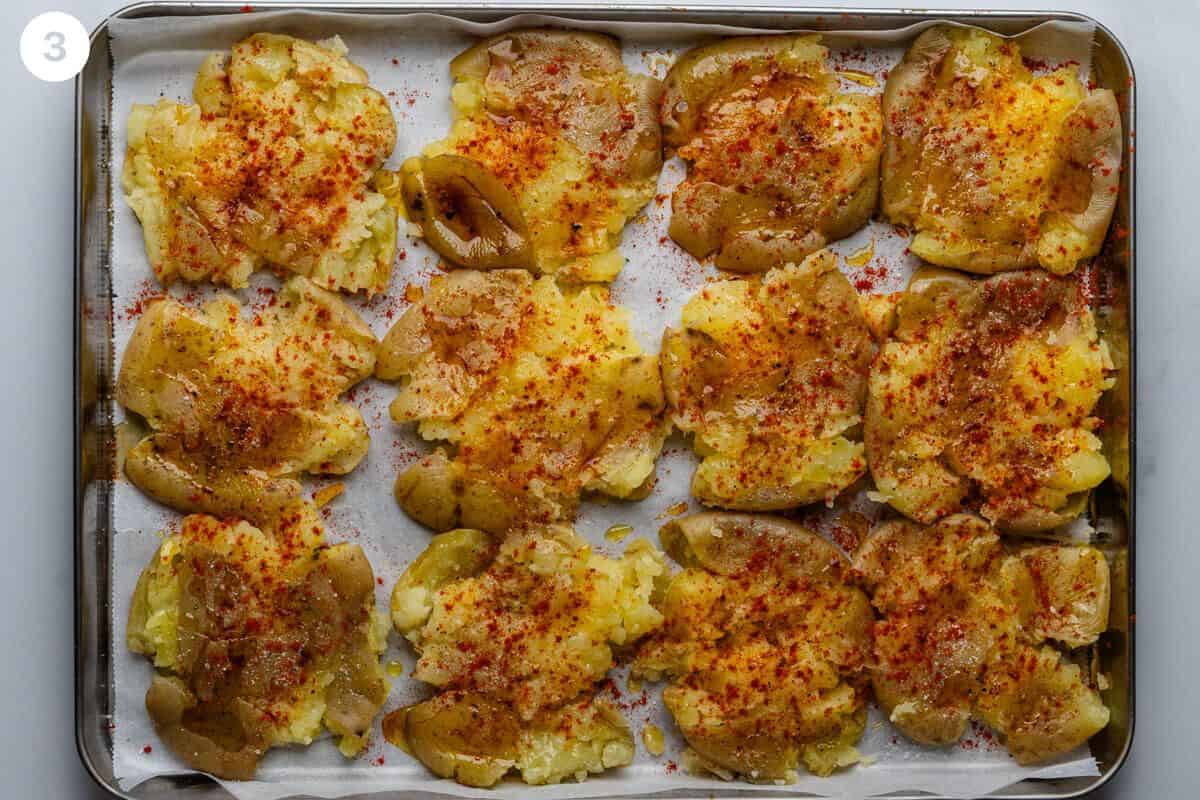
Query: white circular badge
x,y
54,46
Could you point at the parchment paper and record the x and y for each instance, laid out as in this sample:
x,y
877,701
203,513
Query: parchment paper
x,y
407,57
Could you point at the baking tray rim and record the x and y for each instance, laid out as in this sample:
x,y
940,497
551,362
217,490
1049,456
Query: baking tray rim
x,y
586,10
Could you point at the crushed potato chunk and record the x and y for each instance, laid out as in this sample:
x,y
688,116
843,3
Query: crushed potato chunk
x,y
993,167
238,407
516,634
258,640
271,167
780,161
554,147
985,393
966,629
770,376
765,643
541,391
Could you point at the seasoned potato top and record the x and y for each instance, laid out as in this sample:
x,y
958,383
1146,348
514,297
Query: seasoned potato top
x,y
271,166
764,642
554,147
531,621
964,633
543,392
781,161
984,394
995,168
258,639
770,376
236,406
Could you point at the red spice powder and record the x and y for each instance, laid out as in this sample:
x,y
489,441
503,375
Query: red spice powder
x,y
147,292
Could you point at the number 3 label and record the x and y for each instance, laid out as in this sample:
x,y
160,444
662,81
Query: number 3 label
x,y
54,46
56,52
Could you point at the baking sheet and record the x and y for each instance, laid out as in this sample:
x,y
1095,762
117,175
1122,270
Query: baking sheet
x,y
407,57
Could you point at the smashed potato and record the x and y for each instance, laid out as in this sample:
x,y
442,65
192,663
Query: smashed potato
x,y
237,408
985,394
259,640
517,633
780,161
542,391
761,596
771,376
271,167
995,168
965,632
554,147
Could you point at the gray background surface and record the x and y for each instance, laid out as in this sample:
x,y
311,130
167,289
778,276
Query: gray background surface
x,y
37,751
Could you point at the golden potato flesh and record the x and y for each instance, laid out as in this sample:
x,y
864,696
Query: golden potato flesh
x,y
238,407
258,640
554,147
780,161
516,634
271,167
964,631
765,645
770,377
985,394
542,393
995,168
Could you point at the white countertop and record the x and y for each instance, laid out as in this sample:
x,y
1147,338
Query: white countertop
x,y
37,750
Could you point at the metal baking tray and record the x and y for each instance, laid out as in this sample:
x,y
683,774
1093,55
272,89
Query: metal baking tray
x,y
95,436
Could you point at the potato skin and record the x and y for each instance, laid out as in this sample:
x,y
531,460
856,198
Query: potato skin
x,y
467,737
965,633
1062,592
622,122
1042,152
466,213
273,166
163,469
237,410
780,162
760,595
476,741
769,376
986,389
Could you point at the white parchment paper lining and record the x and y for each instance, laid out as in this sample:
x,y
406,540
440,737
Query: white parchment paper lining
x,y
407,57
